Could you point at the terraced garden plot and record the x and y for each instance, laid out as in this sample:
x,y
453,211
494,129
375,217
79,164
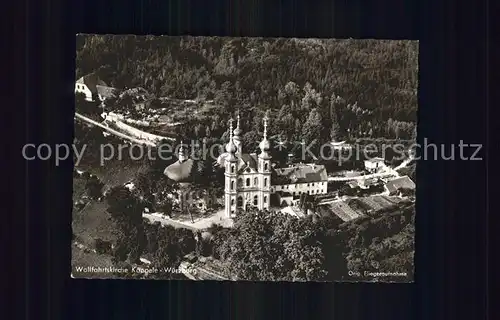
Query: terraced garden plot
x,y
343,211
394,200
382,201
371,203
358,206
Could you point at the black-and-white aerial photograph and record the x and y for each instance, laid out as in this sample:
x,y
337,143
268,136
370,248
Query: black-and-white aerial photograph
x,y
234,159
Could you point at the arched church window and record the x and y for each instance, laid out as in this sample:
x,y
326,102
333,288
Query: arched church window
x,y
255,200
265,199
240,201
232,169
266,166
232,202
232,185
265,182
248,182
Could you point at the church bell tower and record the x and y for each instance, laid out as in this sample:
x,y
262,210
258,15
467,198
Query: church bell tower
x,y
231,175
264,167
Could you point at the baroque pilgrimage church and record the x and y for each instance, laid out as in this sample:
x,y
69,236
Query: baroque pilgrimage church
x,y
248,177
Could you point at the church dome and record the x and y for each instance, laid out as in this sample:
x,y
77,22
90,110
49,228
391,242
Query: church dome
x,y
222,158
264,145
231,147
237,132
181,171
236,141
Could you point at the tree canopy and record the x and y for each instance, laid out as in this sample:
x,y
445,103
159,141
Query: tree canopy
x,y
366,82
266,246
276,247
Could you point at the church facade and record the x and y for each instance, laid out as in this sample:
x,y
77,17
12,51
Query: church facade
x,y
247,176
248,182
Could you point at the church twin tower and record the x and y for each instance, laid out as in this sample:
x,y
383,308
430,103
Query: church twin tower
x,y
247,176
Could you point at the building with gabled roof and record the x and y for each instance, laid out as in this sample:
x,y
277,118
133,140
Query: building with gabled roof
x,y
302,178
374,164
364,183
92,86
394,186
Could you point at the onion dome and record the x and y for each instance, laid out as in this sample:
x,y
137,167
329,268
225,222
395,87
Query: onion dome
x,y
183,170
264,145
237,143
230,146
237,131
236,138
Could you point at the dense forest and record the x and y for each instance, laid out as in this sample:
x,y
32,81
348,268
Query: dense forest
x,y
314,88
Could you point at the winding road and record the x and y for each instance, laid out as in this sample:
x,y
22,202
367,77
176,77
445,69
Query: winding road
x,y
120,134
112,131
388,172
167,221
